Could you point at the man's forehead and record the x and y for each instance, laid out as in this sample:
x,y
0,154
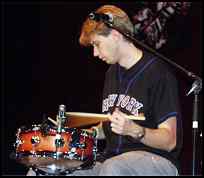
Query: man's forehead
x,y
95,39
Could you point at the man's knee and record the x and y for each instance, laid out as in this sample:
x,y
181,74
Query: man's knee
x,y
110,167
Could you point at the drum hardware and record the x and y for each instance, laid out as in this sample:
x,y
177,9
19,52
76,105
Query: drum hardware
x,y
78,145
82,146
18,140
94,132
59,141
36,127
35,140
72,154
95,150
61,117
75,139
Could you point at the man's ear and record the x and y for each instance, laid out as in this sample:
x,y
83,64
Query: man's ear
x,y
116,35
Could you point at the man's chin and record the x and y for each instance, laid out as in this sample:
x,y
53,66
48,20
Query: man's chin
x,y
109,62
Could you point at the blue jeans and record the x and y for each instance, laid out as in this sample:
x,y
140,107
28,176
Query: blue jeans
x,y
134,163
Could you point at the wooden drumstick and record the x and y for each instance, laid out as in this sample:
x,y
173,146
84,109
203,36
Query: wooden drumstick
x,y
53,121
101,117
79,119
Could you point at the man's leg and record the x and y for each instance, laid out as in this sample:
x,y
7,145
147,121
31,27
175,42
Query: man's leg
x,y
138,163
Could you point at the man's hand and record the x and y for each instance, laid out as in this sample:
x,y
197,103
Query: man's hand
x,y
122,125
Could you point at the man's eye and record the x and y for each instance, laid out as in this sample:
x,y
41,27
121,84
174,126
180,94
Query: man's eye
x,y
97,44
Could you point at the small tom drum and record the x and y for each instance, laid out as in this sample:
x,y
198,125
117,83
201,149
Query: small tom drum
x,y
70,150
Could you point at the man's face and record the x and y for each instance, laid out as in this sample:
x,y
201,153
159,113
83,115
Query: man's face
x,y
105,48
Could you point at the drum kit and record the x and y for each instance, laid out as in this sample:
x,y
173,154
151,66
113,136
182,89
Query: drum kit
x,y
61,147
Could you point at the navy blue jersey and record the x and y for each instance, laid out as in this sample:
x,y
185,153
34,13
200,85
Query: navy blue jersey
x,y
148,88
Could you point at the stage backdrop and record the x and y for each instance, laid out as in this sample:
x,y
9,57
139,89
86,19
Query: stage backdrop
x,y
44,66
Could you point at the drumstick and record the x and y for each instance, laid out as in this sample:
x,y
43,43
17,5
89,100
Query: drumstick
x,y
53,121
102,117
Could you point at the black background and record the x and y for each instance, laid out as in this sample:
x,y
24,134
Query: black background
x,y
44,66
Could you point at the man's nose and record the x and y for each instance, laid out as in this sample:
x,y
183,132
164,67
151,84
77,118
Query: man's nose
x,y
95,52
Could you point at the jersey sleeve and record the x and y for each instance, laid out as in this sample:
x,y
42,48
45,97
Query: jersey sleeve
x,y
164,97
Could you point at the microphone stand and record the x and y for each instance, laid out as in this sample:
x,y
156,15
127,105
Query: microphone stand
x,y
196,86
197,89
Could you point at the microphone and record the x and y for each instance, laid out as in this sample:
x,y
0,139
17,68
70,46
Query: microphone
x,y
107,17
196,86
61,117
59,141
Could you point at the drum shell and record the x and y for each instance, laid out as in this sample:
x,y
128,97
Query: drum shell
x,y
46,144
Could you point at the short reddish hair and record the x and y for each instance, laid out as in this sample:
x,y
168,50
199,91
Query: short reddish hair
x,y
90,27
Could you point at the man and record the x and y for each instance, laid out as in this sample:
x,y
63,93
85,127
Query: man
x,y
136,83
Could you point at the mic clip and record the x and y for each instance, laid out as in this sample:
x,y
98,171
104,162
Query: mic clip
x,y
107,18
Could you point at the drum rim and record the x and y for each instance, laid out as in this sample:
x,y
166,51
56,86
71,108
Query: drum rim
x,y
51,154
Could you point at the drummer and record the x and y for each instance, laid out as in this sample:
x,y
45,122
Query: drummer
x,y
135,83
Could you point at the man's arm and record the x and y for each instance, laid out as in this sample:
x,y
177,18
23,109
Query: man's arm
x,y
164,137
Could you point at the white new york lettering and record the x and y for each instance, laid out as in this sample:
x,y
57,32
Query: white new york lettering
x,y
111,100
136,108
125,101
105,105
120,99
131,104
